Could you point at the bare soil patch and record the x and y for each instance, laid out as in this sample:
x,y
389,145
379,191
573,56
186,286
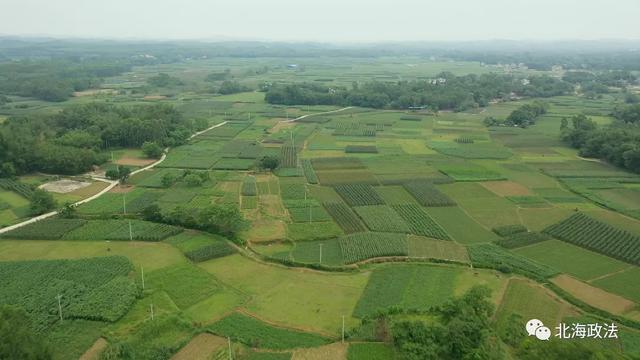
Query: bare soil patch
x,y
95,350
200,347
594,296
121,189
64,186
132,161
281,125
506,188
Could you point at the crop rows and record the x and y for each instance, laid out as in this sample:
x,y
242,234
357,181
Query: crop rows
x,y
309,173
308,214
92,289
382,218
344,217
354,129
595,235
362,246
426,194
255,333
359,194
420,223
249,186
119,230
508,230
289,157
12,185
211,251
522,239
494,257
48,229
363,149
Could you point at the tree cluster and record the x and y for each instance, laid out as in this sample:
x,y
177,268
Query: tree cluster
x,y
523,116
462,332
72,141
55,80
218,219
619,145
445,92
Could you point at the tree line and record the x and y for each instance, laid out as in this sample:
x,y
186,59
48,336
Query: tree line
x,y
55,80
619,143
72,141
445,92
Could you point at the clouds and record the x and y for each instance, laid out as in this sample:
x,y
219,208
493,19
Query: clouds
x,y
325,20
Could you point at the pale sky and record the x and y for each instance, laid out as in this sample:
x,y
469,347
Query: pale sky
x,y
324,20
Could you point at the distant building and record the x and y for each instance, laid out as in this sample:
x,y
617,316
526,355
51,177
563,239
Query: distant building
x,y
292,66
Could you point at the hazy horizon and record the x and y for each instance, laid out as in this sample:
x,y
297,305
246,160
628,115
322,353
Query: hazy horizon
x,y
329,21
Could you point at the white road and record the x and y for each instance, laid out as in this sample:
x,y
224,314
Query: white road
x,y
111,185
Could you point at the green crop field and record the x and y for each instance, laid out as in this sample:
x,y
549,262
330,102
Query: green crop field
x,y
585,264
342,182
398,286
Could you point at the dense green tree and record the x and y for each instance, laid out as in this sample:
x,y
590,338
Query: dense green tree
x,y
17,339
232,87
269,163
151,149
41,202
152,213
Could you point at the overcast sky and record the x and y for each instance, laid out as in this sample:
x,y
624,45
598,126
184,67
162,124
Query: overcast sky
x,y
324,20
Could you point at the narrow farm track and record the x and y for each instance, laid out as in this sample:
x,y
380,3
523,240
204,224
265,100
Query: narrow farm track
x,y
316,114
111,185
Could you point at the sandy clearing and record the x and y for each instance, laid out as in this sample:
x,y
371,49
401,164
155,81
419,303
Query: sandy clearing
x,y
132,161
64,186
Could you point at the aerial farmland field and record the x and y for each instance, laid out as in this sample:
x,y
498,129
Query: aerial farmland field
x,y
290,211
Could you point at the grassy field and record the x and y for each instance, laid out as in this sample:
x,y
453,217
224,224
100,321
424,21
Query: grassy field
x,y
292,298
584,264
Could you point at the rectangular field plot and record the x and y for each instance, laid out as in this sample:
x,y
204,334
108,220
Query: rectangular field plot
x,y
625,283
362,246
308,214
341,163
460,226
313,231
250,331
594,296
51,229
336,177
584,264
420,223
530,301
426,194
494,257
94,288
344,217
468,171
234,164
421,247
153,178
395,195
309,252
359,194
201,246
585,231
382,218
172,280
482,150
408,286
